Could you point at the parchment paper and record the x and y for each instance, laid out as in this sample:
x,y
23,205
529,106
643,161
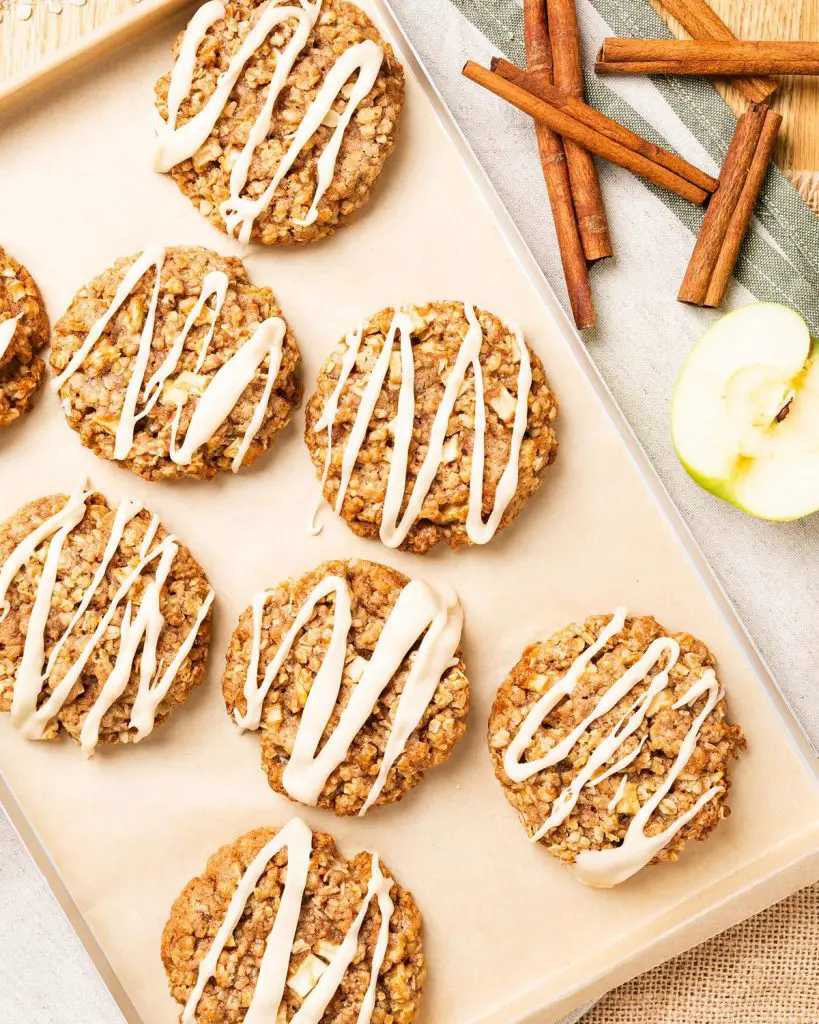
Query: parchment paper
x,y
504,923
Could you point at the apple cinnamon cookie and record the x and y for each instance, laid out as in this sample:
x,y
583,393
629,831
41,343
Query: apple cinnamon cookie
x,y
353,676
431,423
278,117
174,364
23,332
611,741
281,927
104,620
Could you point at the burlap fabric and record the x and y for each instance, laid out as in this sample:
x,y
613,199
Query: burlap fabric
x,y
764,971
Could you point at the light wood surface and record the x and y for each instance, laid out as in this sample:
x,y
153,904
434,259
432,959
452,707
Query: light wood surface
x,y
25,43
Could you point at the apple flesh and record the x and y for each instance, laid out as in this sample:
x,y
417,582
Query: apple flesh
x,y
745,412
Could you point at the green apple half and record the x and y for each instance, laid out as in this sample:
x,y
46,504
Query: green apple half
x,y
745,413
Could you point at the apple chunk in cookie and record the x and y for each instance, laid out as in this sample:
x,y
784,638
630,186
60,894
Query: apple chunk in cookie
x,y
745,414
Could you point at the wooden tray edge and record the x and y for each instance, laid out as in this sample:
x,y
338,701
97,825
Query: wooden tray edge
x,y
80,54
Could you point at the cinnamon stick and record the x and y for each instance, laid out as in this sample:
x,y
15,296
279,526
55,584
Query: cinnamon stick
x,y
568,76
701,22
604,125
594,141
707,57
741,217
556,175
729,212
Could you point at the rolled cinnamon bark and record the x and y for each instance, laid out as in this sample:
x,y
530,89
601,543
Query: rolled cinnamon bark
x,y
556,174
727,218
569,128
701,22
568,77
604,125
741,217
707,57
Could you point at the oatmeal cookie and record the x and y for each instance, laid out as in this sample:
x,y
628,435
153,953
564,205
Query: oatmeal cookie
x,y
340,899
611,741
417,501
368,757
23,332
104,620
323,135
189,378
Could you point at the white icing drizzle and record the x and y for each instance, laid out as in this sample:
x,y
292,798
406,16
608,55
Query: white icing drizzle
x,y
8,328
141,631
148,539
421,609
176,144
620,765
610,867
224,388
267,998
618,795
329,413
393,531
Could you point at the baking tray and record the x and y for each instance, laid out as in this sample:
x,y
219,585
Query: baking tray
x,y
510,935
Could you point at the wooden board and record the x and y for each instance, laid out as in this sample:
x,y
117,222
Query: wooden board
x,y
24,43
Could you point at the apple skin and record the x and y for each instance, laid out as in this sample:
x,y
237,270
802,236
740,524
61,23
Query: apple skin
x,y
746,368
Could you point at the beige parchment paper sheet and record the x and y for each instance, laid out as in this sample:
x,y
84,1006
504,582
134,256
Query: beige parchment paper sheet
x,y
129,828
